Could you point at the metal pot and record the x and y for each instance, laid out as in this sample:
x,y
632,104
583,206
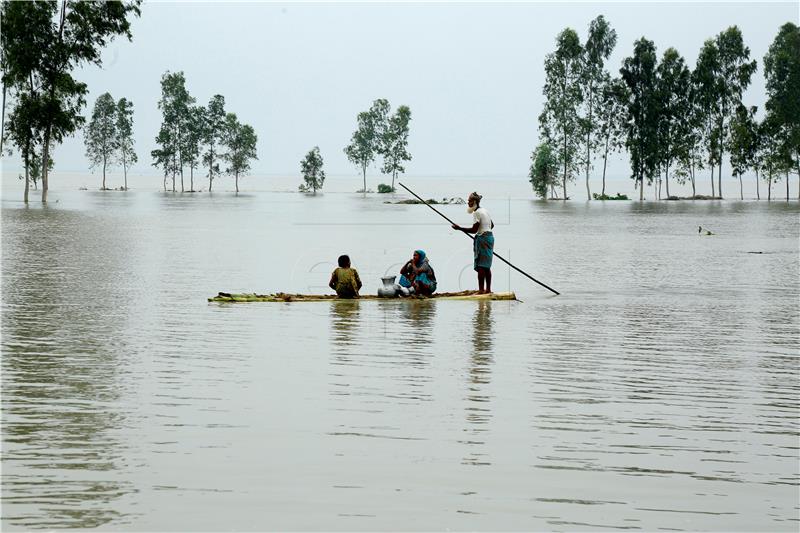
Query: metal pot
x,y
388,289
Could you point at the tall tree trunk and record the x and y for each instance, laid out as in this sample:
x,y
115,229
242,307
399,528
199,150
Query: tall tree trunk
x,y
191,179
165,181
666,178
691,176
173,181
237,182
641,188
564,178
605,163
719,174
27,173
125,172
758,193
182,177
713,191
741,190
588,152
210,165
3,119
364,175
45,158
47,130
787,184
104,172
769,188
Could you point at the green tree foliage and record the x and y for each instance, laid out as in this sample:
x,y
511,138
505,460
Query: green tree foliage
x,y
732,79
690,145
544,169
395,142
43,43
367,141
101,139
311,169
240,142
772,156
20,133
175,105
673,81
782,72
559,122
164,156
213,131
705,92
639,74
744,144
125,143
611,113
599,44
194,131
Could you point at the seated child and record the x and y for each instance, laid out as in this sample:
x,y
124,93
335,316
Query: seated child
x,y
345,280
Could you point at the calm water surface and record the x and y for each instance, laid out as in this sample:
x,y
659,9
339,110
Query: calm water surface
x,y
659,391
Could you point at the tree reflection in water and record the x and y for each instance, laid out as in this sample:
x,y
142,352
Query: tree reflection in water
x,y
478,411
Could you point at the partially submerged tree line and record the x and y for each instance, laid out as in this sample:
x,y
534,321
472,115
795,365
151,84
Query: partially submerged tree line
x,y
672,121
192,136
379,133
109,136
42,44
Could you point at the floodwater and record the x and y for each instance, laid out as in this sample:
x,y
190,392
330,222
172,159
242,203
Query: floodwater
x,y
659,391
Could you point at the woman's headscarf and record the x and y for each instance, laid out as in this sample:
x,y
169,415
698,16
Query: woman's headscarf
x,y
421,254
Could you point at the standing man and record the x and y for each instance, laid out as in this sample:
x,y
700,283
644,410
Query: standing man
x,y
483,244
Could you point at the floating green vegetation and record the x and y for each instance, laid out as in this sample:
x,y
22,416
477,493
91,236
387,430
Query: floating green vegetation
x,y
607,197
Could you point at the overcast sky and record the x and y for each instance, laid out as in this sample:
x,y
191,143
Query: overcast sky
x,y
471,73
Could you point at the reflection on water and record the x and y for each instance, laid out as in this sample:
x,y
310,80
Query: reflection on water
x,y
659,391
62,375
478,407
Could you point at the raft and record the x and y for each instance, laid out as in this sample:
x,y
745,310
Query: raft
x,y
285,297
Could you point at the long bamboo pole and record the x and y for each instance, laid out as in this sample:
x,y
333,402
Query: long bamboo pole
x,y
473,238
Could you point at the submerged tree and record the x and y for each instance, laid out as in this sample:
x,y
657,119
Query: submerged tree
x,y
611,113
192,140
705,90
101,137
395,143
311,168
599,44
43,42
639,74
771,156
672,79
690,144
559,123
367,141
744,145
732,79
175,104
125,144
782,72
240,141
213,135
164,156
544,169
20,133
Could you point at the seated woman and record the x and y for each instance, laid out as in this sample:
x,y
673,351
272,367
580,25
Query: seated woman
x,y
418,275
345,280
